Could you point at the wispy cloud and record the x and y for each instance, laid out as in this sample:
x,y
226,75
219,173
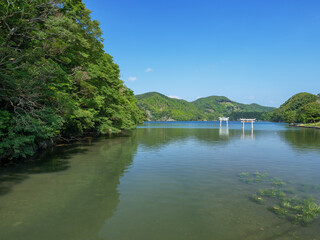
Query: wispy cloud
x,y
252,97
132,79
149,70
174,97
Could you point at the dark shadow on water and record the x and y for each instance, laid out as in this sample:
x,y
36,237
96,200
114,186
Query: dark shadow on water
x,y
302,138
55,159
112,158
52,160
84,206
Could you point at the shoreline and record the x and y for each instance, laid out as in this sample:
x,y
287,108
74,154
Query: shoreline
x,y
302,125
50,145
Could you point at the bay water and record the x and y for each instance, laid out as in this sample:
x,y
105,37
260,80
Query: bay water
x,y
162,181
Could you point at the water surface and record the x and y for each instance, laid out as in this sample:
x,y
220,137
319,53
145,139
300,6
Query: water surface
x,y
175,180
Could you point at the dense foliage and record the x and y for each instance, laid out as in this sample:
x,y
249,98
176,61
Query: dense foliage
x,y
162,108
263,116
56,79
215,106
302,107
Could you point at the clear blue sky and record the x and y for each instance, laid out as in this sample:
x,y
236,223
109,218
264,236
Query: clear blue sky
x,y
261,51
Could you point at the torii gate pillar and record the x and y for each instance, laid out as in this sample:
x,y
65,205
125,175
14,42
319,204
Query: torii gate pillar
x,y
226,119
244,120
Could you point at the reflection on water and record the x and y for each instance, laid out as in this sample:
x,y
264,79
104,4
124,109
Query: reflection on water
x,y
67,196
247,134
224,131
164,181
302,138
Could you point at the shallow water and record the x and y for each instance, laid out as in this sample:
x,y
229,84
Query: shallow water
x,y
176,180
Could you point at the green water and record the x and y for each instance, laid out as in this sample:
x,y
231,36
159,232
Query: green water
x,y
167,181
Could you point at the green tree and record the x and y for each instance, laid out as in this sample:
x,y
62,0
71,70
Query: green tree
x,y
291,116
28,99
312,112
292,109
56,79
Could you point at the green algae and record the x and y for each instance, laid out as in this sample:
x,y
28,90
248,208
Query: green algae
x,y
277,182
243,175
298,211
256,198
252,178
308,188
272,193
289,190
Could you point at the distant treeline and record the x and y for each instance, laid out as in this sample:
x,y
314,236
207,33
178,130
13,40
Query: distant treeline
x,y
234,116
56,81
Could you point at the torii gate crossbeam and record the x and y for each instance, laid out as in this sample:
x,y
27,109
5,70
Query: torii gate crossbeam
x,y
244,120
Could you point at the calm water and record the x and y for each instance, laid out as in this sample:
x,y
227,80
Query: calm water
x,y
166,181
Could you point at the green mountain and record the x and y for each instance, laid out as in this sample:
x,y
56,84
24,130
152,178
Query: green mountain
x,y
215,106
302,107
162,108
159,107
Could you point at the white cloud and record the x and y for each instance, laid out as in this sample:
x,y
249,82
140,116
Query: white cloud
x,y
252,97
174,97
132,79
149,70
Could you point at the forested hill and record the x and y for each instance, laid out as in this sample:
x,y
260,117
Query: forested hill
x,y
162,108
300,108
56,80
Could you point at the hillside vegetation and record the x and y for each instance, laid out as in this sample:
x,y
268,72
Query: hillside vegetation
x,y
162,108
56,79
302,107
215,106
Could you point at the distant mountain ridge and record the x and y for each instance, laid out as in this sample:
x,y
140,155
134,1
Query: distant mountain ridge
x,y
159,107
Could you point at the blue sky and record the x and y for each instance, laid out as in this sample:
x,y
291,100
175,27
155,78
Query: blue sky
x,y
261,51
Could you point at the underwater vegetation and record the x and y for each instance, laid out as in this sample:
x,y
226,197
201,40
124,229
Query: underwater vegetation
x,y
273,193
308,188
256,198
300,211
289,190
243,175
277,182
297,211
252,178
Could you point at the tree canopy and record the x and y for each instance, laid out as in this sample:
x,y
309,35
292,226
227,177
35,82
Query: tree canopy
x,y
56,79
302,107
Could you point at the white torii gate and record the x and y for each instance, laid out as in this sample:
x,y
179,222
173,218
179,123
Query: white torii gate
x,y
244,120
226,119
